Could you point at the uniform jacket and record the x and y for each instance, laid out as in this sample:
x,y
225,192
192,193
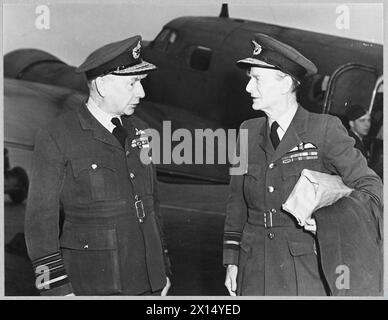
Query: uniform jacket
x,y
103,247
274,255
359,144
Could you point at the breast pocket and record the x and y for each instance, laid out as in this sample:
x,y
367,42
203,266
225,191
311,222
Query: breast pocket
x,y
291,173
91,259
96,179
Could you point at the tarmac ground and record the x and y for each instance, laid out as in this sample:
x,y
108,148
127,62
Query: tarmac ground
x,y
193,217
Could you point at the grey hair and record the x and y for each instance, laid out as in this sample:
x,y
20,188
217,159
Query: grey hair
x,y
295,83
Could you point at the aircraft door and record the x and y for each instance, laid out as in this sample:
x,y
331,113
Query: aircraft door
x,y
349,84
359,84
376,133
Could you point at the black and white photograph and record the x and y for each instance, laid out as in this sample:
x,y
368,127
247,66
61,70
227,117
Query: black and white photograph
x,y
206,149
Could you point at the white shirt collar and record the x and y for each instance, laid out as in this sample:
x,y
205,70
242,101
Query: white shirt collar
x,y
101,116
284,120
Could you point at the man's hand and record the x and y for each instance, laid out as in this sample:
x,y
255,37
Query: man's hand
x,y
166,287
231,279
311,225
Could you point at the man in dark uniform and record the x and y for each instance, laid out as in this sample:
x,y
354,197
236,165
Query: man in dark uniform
x,y
266,252
359,125
88,162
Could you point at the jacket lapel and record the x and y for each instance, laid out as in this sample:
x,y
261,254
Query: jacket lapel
x,y
264,140
130,126
88,122
292,136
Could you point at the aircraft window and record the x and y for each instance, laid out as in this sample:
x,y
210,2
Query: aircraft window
x,y
162,36
165,38
200,58
172,37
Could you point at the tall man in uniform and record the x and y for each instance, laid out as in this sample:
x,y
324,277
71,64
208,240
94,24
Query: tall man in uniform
x,y
266,252
88,162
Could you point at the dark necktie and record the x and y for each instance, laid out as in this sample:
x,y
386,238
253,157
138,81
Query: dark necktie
x,y
119,131
274,135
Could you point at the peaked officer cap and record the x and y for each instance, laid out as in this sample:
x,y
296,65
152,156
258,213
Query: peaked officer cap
x,y
278,55
355,112
120,58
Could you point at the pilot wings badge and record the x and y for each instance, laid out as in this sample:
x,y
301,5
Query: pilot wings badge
x,y
141,140
136,51
257,49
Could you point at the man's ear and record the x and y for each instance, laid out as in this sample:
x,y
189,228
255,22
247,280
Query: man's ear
x,y
100,86
351,124
287,84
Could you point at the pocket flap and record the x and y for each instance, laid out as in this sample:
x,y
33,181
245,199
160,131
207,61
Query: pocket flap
x,y
300,248
90,164
95,239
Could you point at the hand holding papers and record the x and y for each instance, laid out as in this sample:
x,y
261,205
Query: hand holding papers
x,y
314,190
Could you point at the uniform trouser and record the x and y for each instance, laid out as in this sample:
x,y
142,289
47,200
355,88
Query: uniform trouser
x,y
279,261
150,293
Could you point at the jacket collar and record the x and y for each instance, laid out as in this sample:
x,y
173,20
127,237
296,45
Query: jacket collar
x,y
88,122
291,137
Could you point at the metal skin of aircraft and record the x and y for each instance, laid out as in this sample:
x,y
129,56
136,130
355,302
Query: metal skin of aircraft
x,y
197,86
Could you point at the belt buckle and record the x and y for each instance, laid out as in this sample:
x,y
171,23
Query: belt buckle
x,y
139,207
267,221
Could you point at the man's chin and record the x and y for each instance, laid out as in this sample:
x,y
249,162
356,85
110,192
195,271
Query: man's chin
x,y
130,110
256,106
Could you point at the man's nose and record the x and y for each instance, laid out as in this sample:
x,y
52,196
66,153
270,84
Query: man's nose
x,y
248,88
140,90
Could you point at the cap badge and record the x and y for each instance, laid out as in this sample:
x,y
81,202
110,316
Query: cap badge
x,y
257,48
136,51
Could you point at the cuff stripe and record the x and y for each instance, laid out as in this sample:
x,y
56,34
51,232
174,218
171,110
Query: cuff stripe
x,y
50,272
237,243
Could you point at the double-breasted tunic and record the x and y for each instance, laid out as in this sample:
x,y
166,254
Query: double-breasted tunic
x,y
105,246
274,255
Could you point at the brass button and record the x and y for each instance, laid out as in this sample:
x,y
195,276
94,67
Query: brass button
x,y
131,175
273,210
271,165
94,166
271,235
86,246
271,189
127,153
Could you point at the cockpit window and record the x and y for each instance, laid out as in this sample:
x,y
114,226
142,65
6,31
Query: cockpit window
x,y
165,39
200,58
172,37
